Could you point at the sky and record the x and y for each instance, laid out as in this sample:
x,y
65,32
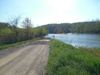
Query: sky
x,y
50,11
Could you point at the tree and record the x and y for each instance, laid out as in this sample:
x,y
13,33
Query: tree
x,y
28,27
14,26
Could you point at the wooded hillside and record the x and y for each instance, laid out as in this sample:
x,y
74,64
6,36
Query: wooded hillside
x,y
80,27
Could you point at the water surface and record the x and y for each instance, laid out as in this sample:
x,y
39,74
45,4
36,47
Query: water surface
x,y
78,40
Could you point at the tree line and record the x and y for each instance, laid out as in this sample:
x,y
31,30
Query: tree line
x,y
79,27
10,32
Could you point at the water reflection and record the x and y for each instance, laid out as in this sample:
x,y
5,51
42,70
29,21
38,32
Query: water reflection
x,y
79,40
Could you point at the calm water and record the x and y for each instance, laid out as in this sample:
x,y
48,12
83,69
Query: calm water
x,y
79,40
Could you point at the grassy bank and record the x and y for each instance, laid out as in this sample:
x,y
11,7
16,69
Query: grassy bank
x,y
17,44
67,60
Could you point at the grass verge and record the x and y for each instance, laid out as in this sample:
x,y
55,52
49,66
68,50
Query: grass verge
x,y
17,44
67,60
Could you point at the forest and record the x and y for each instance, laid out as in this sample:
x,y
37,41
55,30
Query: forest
x,y
79,27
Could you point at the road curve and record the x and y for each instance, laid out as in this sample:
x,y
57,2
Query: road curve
x,y
29,60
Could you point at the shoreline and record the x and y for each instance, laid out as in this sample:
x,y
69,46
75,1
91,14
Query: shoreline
x,y
65,59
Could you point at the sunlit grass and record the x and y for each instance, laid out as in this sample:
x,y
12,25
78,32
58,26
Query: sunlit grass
x,y
67,60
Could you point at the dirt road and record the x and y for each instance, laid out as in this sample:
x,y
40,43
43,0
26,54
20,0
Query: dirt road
x,y
29,60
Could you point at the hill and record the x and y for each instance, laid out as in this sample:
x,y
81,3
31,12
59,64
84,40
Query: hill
x,y
79,27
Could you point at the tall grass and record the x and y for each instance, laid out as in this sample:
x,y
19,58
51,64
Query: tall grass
x,y
67,60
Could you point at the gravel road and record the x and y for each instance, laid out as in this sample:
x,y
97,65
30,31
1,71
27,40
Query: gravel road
x,y
28,60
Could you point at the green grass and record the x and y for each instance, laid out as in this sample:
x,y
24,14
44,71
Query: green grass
x,y
67,60
17,44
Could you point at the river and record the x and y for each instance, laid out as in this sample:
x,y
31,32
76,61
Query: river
x,y
78,40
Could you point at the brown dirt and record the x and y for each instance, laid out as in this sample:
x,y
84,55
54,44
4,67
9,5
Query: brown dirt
x,y
29,60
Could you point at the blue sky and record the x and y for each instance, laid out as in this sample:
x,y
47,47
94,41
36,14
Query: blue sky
x,y
50,11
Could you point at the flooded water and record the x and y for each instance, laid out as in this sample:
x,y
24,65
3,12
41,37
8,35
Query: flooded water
x,y
78,40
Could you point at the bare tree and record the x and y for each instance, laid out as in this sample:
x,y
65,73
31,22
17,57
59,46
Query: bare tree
x,y
14,25
28,26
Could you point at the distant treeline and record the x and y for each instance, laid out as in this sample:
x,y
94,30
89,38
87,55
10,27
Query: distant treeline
x,y
80,27
10,32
